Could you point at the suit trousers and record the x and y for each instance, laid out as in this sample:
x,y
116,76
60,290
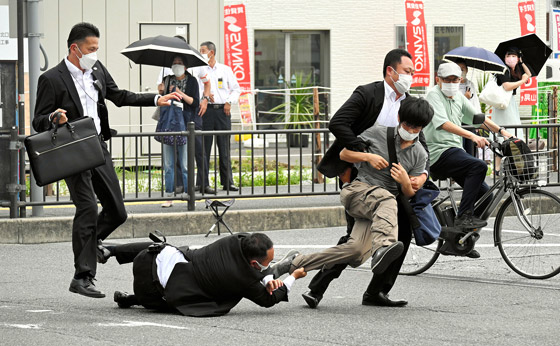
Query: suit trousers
x,y
379,283
89,226
213,120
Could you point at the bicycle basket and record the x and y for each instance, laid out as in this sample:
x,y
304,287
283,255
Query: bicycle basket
x,y
529,168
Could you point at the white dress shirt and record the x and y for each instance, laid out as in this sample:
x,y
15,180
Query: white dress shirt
x,y
288,282
87,92
165,262
389,112
223,83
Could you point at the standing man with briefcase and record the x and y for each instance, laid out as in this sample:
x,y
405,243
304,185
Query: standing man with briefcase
x,y
77,87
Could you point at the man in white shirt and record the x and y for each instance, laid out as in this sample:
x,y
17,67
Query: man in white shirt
x,y
225,90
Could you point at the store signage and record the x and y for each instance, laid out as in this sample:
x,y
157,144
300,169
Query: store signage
x,y
236,44
417,42
528,95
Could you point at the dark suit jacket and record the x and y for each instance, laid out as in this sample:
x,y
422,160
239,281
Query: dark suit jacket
x,y
56,89
215,279
355,116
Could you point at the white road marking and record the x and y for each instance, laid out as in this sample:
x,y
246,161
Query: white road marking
x,y
21,326
38,310
142,324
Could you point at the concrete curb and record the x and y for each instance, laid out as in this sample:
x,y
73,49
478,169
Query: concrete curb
x,y
59,229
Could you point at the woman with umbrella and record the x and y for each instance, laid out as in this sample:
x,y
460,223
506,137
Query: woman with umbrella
x,y
187,87
515,76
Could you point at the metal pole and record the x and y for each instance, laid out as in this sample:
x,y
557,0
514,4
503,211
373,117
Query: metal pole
x,y
21,101
190,166
34,70
13,187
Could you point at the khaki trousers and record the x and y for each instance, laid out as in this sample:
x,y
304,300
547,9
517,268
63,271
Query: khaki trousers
x,y
375,211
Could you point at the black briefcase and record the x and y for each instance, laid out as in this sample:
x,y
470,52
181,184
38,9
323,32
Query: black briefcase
x,y
64,150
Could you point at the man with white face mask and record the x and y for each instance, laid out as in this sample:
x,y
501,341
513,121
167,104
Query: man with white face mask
x,y
78,86
444,136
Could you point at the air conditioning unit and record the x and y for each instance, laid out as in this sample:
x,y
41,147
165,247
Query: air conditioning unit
x,y
552,68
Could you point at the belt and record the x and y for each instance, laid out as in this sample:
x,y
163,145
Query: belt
x,y
216,106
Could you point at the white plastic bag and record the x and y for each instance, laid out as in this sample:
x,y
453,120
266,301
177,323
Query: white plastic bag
x,y
494,95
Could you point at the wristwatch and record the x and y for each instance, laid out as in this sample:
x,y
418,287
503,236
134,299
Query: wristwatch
x,y
205,98
500,129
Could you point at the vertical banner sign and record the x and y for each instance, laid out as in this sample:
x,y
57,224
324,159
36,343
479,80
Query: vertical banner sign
x,y
526,9
236,50
556,32
417,42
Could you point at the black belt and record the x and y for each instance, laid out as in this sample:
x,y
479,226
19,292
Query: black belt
x,y
216,106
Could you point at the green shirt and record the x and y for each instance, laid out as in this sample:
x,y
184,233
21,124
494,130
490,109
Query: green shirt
x,y
456,110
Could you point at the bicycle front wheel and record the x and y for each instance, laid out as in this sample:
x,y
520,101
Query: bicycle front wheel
x,y
420,258
534,255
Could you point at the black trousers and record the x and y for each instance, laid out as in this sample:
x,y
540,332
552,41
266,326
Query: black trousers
x,y
379,283
89,225
214,120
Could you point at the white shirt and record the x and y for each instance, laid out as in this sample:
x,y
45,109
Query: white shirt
x,y
288,282
87,92
223,83
166,261
389,112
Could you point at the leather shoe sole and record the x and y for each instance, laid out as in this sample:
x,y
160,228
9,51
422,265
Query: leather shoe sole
x,y
381,299
120,298
85,288
311,299
384,256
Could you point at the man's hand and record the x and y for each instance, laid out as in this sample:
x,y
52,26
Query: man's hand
x,y
377,161
399,174
273,285
63,118
480,142
418,182
166,99
203,105
299,273
227,109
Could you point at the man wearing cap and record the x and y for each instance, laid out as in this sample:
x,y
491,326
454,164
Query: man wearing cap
x,y
444,136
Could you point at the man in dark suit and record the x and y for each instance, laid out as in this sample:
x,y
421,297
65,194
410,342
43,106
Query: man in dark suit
x,y
78,86
208,281
374,103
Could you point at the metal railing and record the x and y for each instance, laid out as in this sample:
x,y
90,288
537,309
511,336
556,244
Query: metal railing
x,y
267,163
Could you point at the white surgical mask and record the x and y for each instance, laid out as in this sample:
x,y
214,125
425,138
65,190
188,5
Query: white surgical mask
x,y
449,89
263,268
87,60
403,83
204,56
178,70
407,136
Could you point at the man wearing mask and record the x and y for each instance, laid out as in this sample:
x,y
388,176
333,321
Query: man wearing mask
x,y
374,103
444,136
78,86
225,91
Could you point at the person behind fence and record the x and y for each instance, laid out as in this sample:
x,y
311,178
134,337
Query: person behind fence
x,y
370,198
468,88
225,91
444,135
208,281
78,86
175,147
374,103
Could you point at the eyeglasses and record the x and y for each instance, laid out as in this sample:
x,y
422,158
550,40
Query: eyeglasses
x,y
451,79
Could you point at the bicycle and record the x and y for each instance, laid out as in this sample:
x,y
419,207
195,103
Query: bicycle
x,y
526,228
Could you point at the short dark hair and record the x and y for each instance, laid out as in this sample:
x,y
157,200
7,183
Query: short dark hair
x,y
255,246
210,45
80,32
182,59
416,111
393,58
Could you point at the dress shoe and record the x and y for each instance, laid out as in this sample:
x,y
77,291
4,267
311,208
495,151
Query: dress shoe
x,y
231,188
381,299
467,220
121,298
209,190
103,253
473,254
283,265
384,256
85,287
312,299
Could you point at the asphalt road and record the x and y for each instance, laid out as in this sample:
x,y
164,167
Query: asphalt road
x,y
457,302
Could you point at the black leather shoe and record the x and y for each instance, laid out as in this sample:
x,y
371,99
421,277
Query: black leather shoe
x,y
209,190
381,299
103,253
231,188
283,265
473,254
384,256
312,299
121,298
85,287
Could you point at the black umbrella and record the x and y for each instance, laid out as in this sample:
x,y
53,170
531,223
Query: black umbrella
x,y
534,51
161,50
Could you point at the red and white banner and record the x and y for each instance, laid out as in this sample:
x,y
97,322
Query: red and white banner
x,y
417,42
528,24
236,45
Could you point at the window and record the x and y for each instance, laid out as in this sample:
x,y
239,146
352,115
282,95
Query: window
x,y
280,56
446,38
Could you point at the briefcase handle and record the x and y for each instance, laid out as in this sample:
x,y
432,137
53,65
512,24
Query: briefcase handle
x,y
54,132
